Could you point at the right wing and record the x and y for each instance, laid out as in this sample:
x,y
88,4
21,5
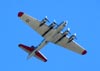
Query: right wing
x,y
73,46
34,23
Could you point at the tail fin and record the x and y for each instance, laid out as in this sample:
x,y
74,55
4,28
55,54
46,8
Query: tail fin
x,y
38,54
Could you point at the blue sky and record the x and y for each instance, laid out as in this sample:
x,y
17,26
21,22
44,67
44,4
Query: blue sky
x,y
83,18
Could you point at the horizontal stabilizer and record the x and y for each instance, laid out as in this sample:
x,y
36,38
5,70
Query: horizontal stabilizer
x,y
38,54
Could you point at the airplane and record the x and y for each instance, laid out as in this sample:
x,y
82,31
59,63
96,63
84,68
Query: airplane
x,y
51,34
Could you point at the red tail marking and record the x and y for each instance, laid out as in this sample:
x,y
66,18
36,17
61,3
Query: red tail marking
x,y
40,55
37,53
26,47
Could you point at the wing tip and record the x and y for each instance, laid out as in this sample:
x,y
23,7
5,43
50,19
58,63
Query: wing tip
x,y
84,52
45,60
19,45
20,14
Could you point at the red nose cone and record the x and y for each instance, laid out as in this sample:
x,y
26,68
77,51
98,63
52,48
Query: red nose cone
x,y
84,52
20,14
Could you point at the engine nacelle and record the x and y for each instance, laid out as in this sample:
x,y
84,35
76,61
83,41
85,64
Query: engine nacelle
x,y
71,38
66,32
44,21
52,24
61,26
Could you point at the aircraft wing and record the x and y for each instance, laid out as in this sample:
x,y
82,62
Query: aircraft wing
x,y
73,46
34,23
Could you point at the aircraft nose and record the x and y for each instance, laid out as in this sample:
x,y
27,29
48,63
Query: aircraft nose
x,y
20,14
84,52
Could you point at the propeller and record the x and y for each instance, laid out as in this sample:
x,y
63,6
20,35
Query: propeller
x,y
68,30
75,36
72,37
46,18
65,23
54,22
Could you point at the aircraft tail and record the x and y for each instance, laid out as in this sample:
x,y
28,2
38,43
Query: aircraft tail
x,y
38,54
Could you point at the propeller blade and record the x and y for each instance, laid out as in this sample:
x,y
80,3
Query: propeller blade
x,y
68,30
55,22
75,36
46,18
67,22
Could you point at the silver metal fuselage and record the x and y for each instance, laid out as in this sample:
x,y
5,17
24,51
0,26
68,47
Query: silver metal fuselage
x,y
48,37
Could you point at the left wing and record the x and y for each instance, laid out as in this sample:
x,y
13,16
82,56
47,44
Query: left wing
x,y
34,23
73,46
